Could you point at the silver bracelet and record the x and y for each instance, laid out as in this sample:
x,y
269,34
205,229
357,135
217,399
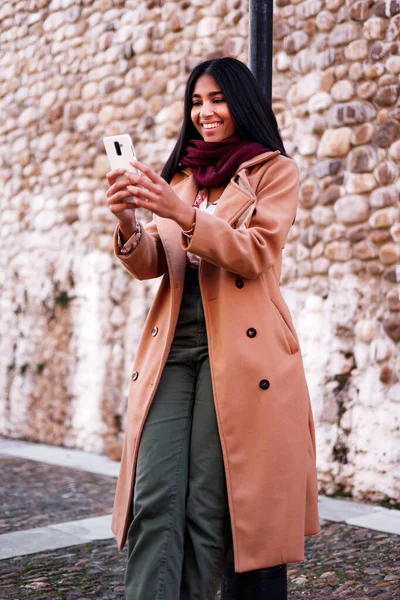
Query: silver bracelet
x,y
190,231
127,248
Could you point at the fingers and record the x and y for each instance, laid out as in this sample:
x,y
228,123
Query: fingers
x,y
118,208
119,184
140,189
142,192
112,175
144,203
143,182
135,178
119,196
152,175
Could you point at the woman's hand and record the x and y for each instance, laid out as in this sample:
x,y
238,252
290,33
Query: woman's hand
x,y
152,192
119,200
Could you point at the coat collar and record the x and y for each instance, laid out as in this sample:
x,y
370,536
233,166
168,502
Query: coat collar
x,y
236,198
257,160
238,194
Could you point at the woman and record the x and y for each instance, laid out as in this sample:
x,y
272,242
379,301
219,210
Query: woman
x,y
218,468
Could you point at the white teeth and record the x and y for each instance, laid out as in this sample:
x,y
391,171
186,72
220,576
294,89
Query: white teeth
x,y
211,125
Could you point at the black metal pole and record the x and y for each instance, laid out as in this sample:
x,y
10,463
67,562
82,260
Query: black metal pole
x,y
260,43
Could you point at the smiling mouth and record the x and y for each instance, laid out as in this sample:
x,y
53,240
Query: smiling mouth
x,y
211,125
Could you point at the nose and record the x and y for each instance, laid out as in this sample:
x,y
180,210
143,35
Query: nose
x,y
206,110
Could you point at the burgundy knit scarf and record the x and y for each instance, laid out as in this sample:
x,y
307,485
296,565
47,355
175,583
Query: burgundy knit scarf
x,y
214,163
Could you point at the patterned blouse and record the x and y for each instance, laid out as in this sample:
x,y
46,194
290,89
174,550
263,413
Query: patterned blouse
x,y
200,202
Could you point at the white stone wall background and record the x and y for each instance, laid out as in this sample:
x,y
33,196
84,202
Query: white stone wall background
x,y
76,70
336,96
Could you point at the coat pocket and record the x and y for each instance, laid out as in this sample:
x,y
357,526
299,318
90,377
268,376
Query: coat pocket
x,y
291,340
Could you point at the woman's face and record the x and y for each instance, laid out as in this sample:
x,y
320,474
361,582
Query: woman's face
x,y
210,112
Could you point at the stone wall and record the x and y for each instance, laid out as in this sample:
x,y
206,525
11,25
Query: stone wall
x,y
75,70
336,93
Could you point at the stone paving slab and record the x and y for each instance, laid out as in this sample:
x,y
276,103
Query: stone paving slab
x,y
88,530
34,494
379,520
72,533
343,562
357,513
65,457
34,540
336,509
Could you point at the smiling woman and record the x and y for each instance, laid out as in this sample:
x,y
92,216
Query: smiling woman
x,y
210,112
218,478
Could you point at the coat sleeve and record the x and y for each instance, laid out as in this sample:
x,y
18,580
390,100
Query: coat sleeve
x,y
148,259
250,251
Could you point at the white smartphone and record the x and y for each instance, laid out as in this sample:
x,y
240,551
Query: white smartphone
x,y
120,151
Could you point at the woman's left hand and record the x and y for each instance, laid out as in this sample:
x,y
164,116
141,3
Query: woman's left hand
x,y
152,192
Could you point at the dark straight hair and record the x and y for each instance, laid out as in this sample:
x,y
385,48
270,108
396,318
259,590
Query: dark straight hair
x,y
249,108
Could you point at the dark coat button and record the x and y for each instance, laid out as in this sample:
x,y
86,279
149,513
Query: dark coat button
x,y
154,331
135,375
251,332
264,384
239,283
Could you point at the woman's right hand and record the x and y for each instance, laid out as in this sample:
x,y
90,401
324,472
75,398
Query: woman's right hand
x,y
120,202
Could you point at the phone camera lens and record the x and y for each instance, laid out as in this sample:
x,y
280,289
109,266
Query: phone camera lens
x,y
117,148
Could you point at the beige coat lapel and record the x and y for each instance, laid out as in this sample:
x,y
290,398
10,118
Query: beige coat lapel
x,y
236,202
238,197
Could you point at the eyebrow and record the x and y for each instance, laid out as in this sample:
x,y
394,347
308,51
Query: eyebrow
x,y
210,94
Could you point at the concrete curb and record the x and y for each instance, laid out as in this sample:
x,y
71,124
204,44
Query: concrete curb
x,y
62,535
63,457
359,514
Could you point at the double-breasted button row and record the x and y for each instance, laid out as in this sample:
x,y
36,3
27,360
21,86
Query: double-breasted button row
x,y
154,331
264,383
135,375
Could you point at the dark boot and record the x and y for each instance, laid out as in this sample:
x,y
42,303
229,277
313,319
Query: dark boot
x,y
262,584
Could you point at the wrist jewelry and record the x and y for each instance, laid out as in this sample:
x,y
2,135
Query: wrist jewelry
x,y
189,231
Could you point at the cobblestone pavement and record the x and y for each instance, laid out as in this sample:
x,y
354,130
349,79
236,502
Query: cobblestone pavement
x,y
343,562
34,494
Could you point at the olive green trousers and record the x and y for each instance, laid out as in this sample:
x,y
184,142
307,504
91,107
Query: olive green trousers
x,y
178,539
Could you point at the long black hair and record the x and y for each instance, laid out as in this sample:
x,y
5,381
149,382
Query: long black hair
x,y
249,108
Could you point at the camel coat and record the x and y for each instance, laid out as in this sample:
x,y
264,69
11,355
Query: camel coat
x,y
260,392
